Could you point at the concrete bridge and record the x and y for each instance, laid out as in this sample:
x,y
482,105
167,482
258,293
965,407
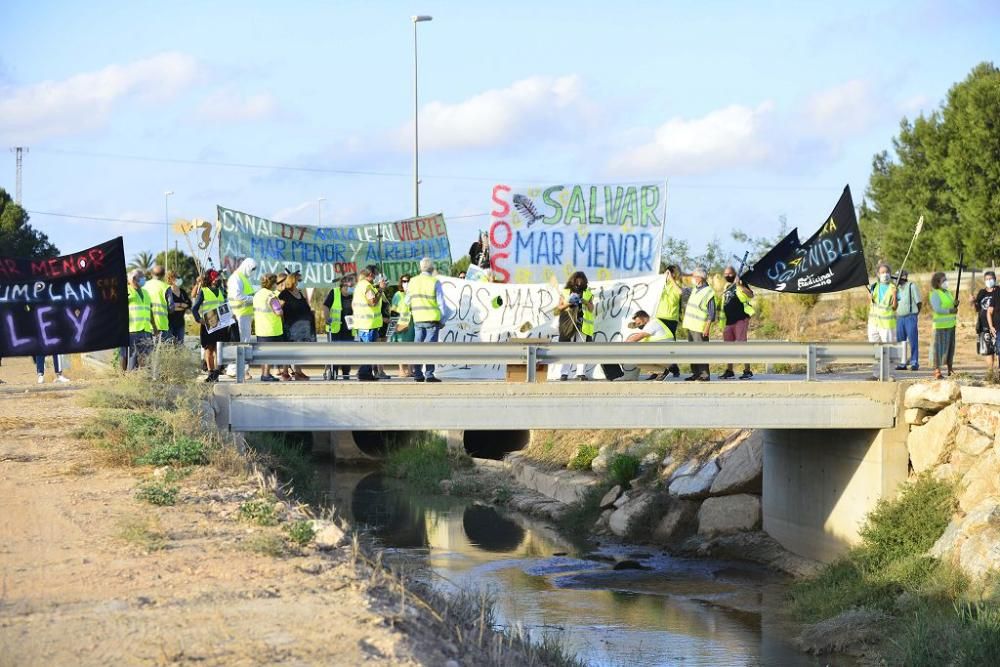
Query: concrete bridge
x,y
832,449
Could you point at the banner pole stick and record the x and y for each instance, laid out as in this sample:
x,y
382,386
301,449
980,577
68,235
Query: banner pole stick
x,y
916,232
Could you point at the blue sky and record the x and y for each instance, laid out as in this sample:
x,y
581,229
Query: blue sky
x,y
750,110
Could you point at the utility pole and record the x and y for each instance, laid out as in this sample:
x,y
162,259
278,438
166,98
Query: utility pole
x,y
18,152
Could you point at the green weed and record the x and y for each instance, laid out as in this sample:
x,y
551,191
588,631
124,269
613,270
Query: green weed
x,y
157,493
578,520
623,468
585,455
181,450
261,511
266,544
300,532
423,464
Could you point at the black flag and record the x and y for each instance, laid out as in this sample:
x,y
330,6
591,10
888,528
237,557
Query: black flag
x,y
830,261
73,303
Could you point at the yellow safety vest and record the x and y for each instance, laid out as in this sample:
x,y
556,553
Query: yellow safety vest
x,y
945,320
364,315
424,306
665,336
377,321
696,313
157,291
400,306
589,316
265,321
743,299
139,312
336,308
882,314
669,307
237,307
209,300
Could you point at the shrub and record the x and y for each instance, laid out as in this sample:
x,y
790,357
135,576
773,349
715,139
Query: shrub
x,y
156,493
909,525
289,458
301,532
623,468
579,518
261,511
181,450
585,455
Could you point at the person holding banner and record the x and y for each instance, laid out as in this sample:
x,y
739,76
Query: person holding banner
x,y
736,313
882,311
668,311
240,297
943,312
336,309
56,366
156,288
428,309
140,322
986,325
209,297
367,298
698,318
267,318
577,316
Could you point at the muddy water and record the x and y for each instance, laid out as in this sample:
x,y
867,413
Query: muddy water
x,y
671,611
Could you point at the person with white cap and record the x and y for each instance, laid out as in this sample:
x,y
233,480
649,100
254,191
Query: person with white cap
x,y
240,295
698,318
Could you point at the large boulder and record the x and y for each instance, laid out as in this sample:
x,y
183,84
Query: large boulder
x,y
973,541
679,521
980,554
688,468
742,469
696,485
932,396
609,498
328,534
728,514
620,519
603,458
971,441
915,416
929,442
983,418
981,483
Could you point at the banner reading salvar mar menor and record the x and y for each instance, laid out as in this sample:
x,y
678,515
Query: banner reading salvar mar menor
x,y
831,260
324,254
606,231
61,305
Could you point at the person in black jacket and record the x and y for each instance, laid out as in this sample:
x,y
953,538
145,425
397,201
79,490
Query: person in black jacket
x,y
297,316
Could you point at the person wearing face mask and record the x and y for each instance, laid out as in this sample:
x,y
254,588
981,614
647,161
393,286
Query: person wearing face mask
x,y
367,301
403,332
240,297
298,321
208,296
668,311
337,308
698,317
140,322
907,314
178,302
577,317
736,313
882,311
986,325
944,309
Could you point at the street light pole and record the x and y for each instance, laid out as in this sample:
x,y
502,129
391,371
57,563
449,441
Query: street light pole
x,y
416,133
319,211
166,228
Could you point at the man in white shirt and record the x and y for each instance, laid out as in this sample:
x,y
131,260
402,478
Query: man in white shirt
x,y
650,330
907,319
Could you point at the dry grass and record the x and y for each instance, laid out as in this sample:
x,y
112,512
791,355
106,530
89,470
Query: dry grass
x,y
143,532
556,449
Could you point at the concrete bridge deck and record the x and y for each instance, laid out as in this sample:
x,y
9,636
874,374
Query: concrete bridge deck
x,y
392,406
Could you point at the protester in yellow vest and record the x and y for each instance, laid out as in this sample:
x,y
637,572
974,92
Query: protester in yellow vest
x,y
336,306
207,297
882,312
240,296
577,317
404,331
944,309
367,297
734,316
156,288
267,318
698,318
668,311
649,331
140,323
428,311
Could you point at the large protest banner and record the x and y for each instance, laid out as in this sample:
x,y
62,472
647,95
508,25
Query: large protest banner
x,y
324,254
606,231
832,260
491,312
61,305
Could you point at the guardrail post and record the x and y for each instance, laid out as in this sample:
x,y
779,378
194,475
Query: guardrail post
x,y
241,364
531,359
810,363
885,352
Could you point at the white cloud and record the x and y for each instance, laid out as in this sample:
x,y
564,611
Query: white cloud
x,y
529,107
733,136
229,106
843,110
84,101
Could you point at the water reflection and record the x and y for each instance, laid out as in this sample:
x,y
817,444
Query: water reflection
x,y
678,611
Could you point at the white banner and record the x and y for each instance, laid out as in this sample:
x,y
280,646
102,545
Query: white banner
x,y
491,312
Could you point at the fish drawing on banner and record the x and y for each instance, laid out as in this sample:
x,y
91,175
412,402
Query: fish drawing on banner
x,y
527,209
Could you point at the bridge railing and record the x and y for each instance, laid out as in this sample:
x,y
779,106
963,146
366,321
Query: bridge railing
x,y
813,355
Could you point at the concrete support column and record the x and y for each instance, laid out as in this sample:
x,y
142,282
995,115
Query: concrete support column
x,y
820,484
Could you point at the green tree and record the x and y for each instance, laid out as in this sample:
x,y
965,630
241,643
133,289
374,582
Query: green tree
x,y
461,265
143,261
17,237
760,245
946,167
181,263
678,251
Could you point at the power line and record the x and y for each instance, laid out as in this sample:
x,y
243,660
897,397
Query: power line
x,y
152,222
672,183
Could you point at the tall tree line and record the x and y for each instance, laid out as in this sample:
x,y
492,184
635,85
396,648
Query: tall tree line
x,y
946,167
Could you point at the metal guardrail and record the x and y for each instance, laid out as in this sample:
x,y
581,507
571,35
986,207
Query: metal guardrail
x,y
547,352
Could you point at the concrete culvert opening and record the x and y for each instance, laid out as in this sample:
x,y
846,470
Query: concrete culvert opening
x,y
379,443
494,444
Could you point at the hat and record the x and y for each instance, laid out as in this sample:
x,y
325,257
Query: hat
x,y
213,275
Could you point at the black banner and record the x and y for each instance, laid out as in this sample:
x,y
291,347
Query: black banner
x,y
831,261
73,303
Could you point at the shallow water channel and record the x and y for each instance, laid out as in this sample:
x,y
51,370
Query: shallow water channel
x,y
673,611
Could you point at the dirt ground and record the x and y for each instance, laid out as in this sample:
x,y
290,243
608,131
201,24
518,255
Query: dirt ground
x,y
75,590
